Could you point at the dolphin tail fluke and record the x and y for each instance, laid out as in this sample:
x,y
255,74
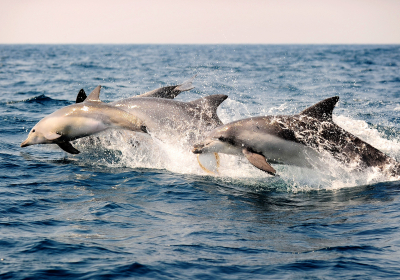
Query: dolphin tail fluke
x,y
66,146
259,161
209,162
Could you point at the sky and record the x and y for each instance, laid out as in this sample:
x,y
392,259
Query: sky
x,y
200,22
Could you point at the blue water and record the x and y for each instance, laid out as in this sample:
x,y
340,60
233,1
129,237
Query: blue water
x,y
113,212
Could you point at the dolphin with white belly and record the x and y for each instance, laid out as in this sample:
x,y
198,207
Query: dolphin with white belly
x,y
171,120
294,139
79,120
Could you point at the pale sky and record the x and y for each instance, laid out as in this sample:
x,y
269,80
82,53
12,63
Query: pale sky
x,y
200,22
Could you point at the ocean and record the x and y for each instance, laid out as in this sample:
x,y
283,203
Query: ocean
x,y
117,211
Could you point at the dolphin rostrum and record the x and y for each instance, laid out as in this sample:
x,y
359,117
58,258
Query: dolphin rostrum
x,y
79,120
294,139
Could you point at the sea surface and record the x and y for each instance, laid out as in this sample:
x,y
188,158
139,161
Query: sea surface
x,y
116,211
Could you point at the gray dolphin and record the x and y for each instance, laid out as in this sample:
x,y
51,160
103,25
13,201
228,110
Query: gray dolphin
x,y
168,92
172,120
293,139
79,120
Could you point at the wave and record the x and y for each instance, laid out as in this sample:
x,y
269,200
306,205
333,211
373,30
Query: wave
x,y
40,99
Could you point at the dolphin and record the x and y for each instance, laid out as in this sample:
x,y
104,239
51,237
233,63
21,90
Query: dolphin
x,y
172,120
294,140
92,117
79,120
168,92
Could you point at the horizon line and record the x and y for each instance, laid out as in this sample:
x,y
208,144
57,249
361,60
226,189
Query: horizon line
x,y
214,44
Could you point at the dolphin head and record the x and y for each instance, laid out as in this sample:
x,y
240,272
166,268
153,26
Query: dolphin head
x,y
219,140
39,135
208,146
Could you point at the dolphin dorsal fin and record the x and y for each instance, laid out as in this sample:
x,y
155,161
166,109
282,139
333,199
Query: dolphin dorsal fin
x,y
210,101
322,110
208,106
94,95
81,96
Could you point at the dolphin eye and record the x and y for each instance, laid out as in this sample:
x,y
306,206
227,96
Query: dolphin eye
x,y
33,131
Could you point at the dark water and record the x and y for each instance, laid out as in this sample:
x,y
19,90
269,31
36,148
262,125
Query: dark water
x,y
116,212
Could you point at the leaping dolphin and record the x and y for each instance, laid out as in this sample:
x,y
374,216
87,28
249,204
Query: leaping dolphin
x,y
168,92
79,120
175,121
292,139
172,120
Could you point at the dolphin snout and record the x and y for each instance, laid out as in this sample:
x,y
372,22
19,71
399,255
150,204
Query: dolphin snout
x,y
25,143
28,141
198,148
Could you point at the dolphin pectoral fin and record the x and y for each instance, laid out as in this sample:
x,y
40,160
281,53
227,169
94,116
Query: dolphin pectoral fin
x,y
52,135
259,161
209,162
66,146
